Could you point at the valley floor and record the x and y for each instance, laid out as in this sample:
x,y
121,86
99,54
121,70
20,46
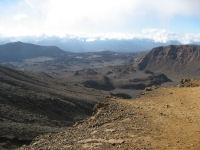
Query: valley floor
x,y
165,118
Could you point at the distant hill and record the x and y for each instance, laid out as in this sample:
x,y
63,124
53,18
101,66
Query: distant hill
x,y
183,60
32,57
19,51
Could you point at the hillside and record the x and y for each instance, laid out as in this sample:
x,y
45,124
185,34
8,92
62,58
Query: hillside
x,y
165,118
181,60
32,104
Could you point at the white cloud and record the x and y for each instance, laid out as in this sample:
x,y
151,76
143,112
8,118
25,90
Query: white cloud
x,y
105,19
169,8
84,15
90,40
29,3
157,35
163,36
189,38
20,17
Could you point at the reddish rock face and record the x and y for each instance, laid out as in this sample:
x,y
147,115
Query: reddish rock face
x,y
181,59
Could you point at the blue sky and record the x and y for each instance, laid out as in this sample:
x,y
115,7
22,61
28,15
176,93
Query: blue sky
x,y
185,24
160,20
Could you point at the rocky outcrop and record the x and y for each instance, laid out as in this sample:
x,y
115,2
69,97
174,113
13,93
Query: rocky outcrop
x,y
180,59
189,83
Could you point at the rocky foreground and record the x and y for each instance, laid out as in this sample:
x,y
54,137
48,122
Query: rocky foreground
x,y
165,118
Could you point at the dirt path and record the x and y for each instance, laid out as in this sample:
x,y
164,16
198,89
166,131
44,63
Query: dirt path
x,y
167,118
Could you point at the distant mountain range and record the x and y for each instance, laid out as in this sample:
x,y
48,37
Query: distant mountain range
x,y
83,45
25,56
93,45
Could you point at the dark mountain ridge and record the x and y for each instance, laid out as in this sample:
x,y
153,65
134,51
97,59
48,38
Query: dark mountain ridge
x,y
19,51
182,60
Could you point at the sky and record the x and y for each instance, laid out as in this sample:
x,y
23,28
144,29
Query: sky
x,y
160,20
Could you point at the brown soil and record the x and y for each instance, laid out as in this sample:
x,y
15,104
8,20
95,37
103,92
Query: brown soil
x,y
165,118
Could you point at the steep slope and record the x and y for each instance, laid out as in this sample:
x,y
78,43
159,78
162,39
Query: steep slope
x,y
19,51
166,118
32,104
182,60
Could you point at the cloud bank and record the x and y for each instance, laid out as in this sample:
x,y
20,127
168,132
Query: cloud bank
x,y
106,18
